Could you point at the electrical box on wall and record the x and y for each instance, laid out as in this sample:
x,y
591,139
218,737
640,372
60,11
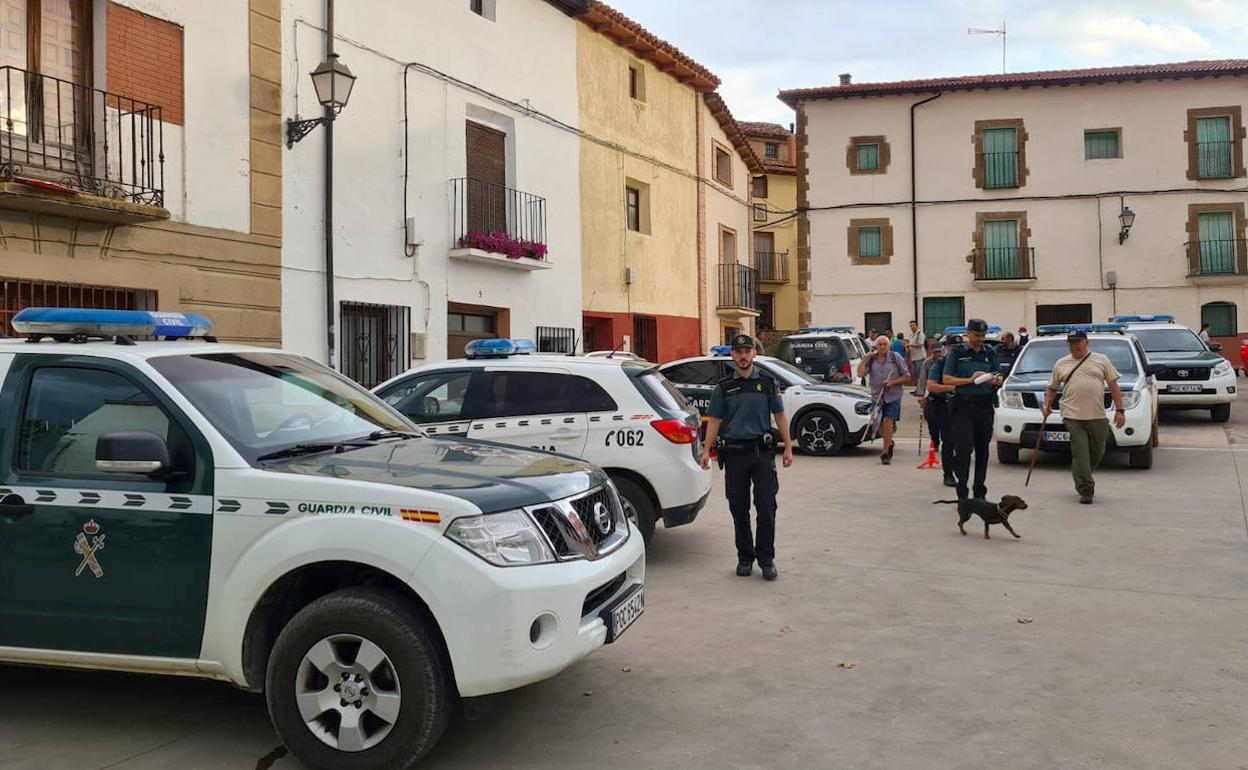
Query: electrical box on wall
x,y
626,343
630,276
1111,278
418,346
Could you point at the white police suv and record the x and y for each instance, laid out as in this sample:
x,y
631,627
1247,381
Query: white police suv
x,y
828,353
823,418
1018,418
212,510
620,414
1195,376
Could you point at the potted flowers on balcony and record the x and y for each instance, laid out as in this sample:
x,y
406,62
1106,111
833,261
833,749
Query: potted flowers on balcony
x,y
503,243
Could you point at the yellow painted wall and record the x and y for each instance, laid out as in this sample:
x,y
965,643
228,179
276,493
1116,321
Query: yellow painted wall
x,y
662,127
782,196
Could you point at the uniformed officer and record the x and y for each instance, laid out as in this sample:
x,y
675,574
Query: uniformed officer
x,y
739,419
934,398
970,422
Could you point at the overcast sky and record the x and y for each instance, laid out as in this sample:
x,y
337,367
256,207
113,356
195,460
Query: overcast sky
x,y
758,47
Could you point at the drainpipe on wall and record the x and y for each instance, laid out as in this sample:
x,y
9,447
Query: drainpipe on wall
x,y
703,299
914,216
329,198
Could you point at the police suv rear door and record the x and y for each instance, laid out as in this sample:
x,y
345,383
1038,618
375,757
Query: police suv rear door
x,y
695,380
538,407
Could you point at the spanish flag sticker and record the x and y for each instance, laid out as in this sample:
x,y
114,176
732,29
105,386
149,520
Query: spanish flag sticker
x,y
424,517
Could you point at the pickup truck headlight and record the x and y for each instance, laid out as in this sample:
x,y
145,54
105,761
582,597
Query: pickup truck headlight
x,y
1223,369
1011,399
1130,399
504,539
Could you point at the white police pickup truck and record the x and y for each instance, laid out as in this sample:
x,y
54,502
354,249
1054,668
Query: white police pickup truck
x,y
823,418
202,509
620,414
1195,376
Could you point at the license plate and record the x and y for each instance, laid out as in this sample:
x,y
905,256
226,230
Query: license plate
x,y
1057,436
620,615
1184,388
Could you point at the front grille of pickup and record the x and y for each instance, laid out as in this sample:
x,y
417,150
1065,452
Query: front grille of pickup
x,y
1187,373
546,519
600,594
584,508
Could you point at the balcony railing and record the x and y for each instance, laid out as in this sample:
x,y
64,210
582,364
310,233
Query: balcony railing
x,y
738,287
1000,169
1214,160
1217,257
79,137
482,208
1005,263
772,266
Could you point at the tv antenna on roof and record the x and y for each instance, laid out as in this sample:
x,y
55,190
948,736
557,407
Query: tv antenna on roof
x,y
1001,32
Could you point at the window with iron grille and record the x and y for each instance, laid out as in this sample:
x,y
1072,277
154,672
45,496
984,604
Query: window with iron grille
x,y
375,341
556,339
760,212
1214,147
1000,157
646,337
19,293
1221,317
771,150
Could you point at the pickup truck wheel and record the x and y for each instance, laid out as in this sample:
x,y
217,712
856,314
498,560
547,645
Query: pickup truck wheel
x,y
638,506
355,682
1142,457
820,433
1007,454
1220,413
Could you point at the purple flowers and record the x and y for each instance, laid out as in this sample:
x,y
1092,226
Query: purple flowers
x,y
503,243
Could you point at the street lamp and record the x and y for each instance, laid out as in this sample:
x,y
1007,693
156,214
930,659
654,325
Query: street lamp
x,y
332,81
1126,218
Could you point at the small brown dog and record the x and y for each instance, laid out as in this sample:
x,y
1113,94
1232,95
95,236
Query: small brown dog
x,y
991,513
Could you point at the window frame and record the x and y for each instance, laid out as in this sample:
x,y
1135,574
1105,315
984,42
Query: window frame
x,y
1221,304
879,241
637,81
1239,219
481,394
441,377
883,155
875,161
760,186
632,208
1115,132
760,212
1235,114
854,242
736,245
980,170
927,316
718,150
1025,268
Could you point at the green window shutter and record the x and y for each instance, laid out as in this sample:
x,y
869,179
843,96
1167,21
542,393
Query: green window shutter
x,y
1217,242
868,157
1221,317
942,312
1001,249
869,242
1100,144
1213,147
1000,157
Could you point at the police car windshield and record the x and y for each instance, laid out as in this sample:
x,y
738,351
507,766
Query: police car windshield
x,y
1040,356
1169,340
790,373
267,402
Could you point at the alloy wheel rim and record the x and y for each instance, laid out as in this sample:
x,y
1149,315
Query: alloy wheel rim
x,y
817,432
347,692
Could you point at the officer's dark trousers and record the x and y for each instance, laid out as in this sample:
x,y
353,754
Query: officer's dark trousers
x,y
936,411
971,431
743,469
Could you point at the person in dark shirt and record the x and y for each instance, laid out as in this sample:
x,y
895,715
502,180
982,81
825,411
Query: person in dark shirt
x,y
972,411
1008,350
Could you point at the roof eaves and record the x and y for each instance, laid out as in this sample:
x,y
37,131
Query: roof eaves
x,y
644,44
572,7
721,113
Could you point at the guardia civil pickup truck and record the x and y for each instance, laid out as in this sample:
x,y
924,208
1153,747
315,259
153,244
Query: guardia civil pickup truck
x,y
181,506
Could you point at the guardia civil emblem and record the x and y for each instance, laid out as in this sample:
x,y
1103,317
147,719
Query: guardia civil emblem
x,y
87,548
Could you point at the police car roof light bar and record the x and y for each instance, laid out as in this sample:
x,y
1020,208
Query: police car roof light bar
x,y
962,329
1160,318
80,323
1048,330
721,350
498,348
814,329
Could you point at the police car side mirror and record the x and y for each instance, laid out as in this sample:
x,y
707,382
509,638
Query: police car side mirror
x,y
1155,370
1216,347
131,451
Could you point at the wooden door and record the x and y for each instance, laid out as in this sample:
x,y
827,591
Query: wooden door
x,y
487,178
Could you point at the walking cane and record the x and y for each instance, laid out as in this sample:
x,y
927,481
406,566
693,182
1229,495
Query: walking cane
x,y
1035,454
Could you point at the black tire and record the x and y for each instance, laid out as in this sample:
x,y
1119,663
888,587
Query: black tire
x,y
422,678
1155,440
820,432
1142,457
643,513
1007,454
1220,413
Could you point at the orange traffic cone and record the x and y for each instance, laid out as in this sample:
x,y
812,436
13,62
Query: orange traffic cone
x,y
932,460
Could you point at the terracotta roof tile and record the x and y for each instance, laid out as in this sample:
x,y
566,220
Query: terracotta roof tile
x,y
1022,79
627,33
719,109
764,129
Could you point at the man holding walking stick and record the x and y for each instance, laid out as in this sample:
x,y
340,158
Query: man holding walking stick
x,y
1081,378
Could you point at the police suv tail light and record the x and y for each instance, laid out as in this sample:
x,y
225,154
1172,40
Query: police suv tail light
x,y
504,539
1130,398
1011,399
676,431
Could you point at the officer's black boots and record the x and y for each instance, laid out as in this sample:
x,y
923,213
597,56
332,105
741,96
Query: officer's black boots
x,y
769,572
745,569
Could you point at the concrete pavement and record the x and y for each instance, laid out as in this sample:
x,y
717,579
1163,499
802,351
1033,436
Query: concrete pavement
x,y
890,641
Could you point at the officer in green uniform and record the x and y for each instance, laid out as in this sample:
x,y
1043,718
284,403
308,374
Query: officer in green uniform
x,y
739,427
970,417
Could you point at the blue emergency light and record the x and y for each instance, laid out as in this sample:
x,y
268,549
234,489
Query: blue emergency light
x,y
816,329
1137,319
86,322
721,350
1048,330
962,330
498,348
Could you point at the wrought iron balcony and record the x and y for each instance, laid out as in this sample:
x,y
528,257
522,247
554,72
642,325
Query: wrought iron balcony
x,y
1214,160
1000,169
71,135
738,287
1005,263
494,217
772,266
1227,257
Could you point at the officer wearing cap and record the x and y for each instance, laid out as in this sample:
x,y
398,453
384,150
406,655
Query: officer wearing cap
x,y
739,427
971,412
934,401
